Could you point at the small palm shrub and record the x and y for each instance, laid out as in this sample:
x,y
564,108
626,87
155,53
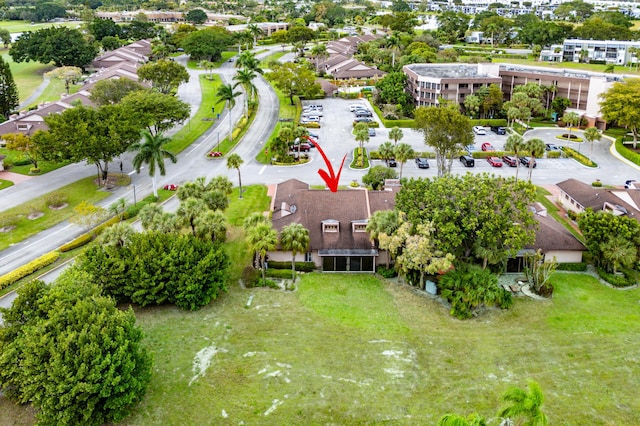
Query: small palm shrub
x,y
470,287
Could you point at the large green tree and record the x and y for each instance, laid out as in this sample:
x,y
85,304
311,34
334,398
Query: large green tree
x,y
113,90
376,176
164,75
196,16
95,135
69,351
446,130
621,105
294,80
9,97
101,28
452,26
61,45
261,239
472,212
156,111
207,44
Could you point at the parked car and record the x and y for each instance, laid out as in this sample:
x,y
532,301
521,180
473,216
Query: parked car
x,y
487,147
391,162
311,113
372,131
301,147
494,161
353,107
363,119
511,161
470,148
422,163
314,136
312,118
527,160
551,147
170,187
628,184
363,113
499,130
479,130
317,106
467,160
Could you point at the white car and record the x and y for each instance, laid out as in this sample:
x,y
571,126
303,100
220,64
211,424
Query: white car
x,y
479,130
354,107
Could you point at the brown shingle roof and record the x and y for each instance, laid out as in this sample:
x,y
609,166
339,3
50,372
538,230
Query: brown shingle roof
x,y
595,198
551,235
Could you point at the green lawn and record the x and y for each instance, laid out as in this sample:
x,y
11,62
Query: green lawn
x,y
351,349
82,190
5,183
570,65
44,166
27,75
22,26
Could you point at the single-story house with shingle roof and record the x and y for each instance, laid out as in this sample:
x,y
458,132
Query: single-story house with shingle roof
x,y
577,196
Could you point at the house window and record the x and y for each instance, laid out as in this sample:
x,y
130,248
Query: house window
x,y
23,127
359,227
331,226
308,257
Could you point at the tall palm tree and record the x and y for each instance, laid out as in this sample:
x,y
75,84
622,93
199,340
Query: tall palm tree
x,y
319,51
227,95
361,133
294,238
396,134
248,60
617,252
591,135
571,119
403,152
393,43
211,226
536,148
151,152
261,239
525,404
515,144
245,78
234,161
189,211
386,151
255,32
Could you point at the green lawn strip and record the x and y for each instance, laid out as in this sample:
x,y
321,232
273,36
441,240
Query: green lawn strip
x,y
53,92
27,75
264,62
197,125
44,166
569,65
82,190
552,209
347,349
254,199
5,184
23,26
287,111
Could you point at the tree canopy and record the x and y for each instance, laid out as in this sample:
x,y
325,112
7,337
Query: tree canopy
x,y
9,97
156,111
164,75
621,104
207,44
61,45
69,351
294,80
474,216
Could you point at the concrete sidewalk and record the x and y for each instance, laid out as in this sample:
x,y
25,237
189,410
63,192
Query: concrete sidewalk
x,y
16,178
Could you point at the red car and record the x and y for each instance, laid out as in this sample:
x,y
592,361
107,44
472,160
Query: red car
x,y
487,147
511,161
170,187
302,147
494,161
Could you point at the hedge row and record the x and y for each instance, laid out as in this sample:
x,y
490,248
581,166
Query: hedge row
x,y
570,152
488,122
28,269
87,237
579,267
624,280
300,266
627,153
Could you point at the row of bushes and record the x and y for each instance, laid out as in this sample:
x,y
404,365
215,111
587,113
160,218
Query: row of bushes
x,y
570,152
627,153
28,269
300,266
627,278
577,267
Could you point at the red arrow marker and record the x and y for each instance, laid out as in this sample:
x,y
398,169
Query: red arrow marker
x,y
329,178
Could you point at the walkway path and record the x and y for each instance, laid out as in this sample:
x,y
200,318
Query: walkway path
x,y
35,95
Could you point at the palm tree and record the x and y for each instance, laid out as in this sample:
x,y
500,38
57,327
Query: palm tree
x,y
189,211
396,134
571,119
261,239
319,51
393,43
151,152
536,148
211,226
525,404
234,161
403,152
226,94
361,133
255,32
248,60
294,238
515,144
386,151
253,220
245,78
617,252
591,135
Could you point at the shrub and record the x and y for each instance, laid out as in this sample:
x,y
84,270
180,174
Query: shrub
x,y
21,162
28,269
300,266
554,154
578,267
34,170
468,287
623,280
627,153
8,220
77,242
487,122
56,199
386,272
250,277
570,152
235,133
572,215
567,136
279,273
596,184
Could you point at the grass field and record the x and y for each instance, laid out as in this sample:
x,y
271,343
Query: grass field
x,y
22,26
568,65
27,75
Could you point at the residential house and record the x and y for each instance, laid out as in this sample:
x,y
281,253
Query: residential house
x,y
577,196
119,56
340,63
336,222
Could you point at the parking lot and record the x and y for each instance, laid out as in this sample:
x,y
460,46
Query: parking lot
x,y
336,139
